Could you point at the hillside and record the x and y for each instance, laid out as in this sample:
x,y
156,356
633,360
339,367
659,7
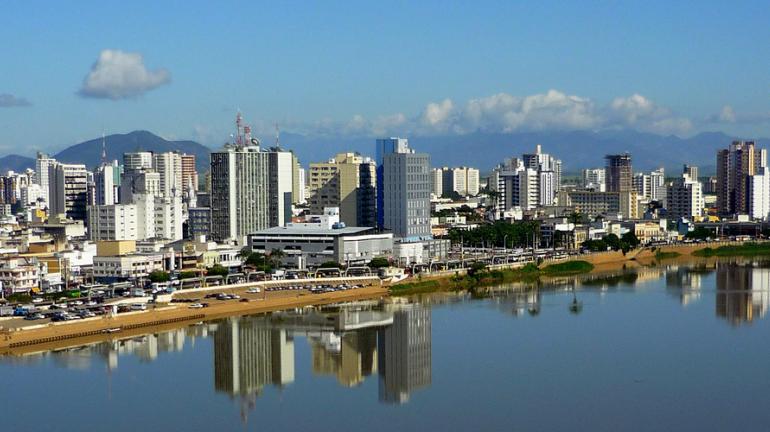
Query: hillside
x,y
89,152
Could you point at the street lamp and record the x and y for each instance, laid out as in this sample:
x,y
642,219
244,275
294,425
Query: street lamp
x,y
505,244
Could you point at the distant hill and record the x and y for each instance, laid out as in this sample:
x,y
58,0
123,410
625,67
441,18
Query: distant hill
x,y
90,152
16,163
576,149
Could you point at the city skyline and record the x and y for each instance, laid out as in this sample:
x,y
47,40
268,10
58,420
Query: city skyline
x,y
442,82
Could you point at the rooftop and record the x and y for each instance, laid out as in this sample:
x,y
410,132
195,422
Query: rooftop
x,y
295,230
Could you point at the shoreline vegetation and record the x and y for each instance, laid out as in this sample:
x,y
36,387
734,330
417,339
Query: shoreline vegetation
x,y
478,277
746,249
659,255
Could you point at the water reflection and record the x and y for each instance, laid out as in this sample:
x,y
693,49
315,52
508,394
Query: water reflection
x,y
742,292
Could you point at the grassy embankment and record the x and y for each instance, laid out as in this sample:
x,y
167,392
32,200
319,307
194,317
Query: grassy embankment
x,y
485,277
746,249
659,255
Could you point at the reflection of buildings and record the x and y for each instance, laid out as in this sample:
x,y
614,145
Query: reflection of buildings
x,y
351,356
742,292
248,355
404,351
686,282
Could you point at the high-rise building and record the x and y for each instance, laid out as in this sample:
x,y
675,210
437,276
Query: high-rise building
x,y
734,165
759,194
652,186
459,180
42,162
385,146
137,160
139,181
189,174
240,182
281,168
406,187
347,181
298,182
685,197
526,183
437,179
68,190
619,177
619,173
169,167
106,187
594,179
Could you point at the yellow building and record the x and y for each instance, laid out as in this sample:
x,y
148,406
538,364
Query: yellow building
x,y
115,247
347,181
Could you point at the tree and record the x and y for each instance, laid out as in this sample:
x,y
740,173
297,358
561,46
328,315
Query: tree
x,y
699,233
188,274
159,276
613,241
379,262
476,269
217,270
630,238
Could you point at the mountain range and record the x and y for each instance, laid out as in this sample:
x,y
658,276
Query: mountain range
x,y
576,149
90,152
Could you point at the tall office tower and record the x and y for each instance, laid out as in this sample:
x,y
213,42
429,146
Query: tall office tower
x,y
300,185
137,160
619,173
406,187
759,195
437,179
105,187
685,197
734,165
42,162
404,352
68,190
281,173
298,182
385,146
189,174
594,179
239,191
139,181
619,178
169,166
454,181
347,181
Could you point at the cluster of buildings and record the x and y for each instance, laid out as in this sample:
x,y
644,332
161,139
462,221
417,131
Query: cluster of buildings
x,y
62,224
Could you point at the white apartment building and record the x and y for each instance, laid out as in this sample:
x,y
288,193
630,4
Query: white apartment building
x,y
42,162
759,195
594,179
169,168
113,222
130,266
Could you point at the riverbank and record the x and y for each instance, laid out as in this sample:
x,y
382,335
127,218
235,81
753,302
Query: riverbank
x,y
481,278
108,327
746,249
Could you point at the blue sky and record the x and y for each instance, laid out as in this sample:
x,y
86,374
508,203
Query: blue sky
x,y
181,69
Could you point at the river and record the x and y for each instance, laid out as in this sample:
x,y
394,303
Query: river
x,y
673,347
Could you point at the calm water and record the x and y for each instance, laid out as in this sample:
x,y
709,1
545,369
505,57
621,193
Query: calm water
x,y
676,348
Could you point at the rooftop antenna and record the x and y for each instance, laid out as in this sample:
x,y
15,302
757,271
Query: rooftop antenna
x,y
238,124
277,136
104,149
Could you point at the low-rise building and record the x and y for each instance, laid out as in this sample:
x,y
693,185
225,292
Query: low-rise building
x,y
132,266
311,246
18,275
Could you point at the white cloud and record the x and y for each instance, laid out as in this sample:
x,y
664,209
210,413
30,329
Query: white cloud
x,y
121,75
9,101
727,114
506,113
